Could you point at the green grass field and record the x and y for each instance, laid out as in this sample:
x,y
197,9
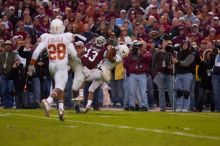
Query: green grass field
x,y
109,128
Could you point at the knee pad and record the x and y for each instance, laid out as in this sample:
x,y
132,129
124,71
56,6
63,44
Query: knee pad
x,y
179,93
186,94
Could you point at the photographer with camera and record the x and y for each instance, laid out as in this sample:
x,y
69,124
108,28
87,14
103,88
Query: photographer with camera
x,y
215,58
137,64
162,68
184,68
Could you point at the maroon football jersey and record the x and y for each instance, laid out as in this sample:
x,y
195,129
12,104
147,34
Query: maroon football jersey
x,y
93,57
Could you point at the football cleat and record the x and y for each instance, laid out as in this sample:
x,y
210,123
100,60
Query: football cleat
x,y
185,110
86,109
46,107
178,110
77,108
61,115
79,99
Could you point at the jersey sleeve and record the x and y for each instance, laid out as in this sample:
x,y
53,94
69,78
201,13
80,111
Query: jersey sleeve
x,y
41,46
71,50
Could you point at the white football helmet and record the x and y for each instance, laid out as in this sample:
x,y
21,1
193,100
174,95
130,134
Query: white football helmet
x,y
57,26
123,50
100,41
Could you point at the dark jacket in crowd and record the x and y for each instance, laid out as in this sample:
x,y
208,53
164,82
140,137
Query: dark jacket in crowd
x,y
204,73
6,63
158,60
185,64
40,71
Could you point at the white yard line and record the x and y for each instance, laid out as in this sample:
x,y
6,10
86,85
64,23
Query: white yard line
x,y
195,115
129,127
70,126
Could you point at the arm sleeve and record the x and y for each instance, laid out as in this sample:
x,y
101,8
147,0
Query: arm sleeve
x,y
37,52
154,62
24,54
71,50
188,60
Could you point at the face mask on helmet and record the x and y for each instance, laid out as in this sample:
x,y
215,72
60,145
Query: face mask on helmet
x,y
57,26
100,41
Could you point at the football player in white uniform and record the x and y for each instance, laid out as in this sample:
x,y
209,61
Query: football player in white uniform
x,y
86,63
114,56
58,45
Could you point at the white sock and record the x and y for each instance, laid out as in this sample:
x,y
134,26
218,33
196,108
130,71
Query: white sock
x,y
61,106
89,102
49,99
81,92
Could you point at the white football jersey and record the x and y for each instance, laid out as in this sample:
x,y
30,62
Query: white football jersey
x,y
58,47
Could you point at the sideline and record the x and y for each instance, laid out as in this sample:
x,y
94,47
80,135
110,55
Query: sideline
x,y
127,127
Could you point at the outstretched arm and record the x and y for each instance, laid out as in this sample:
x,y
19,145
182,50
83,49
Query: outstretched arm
x,y
37,52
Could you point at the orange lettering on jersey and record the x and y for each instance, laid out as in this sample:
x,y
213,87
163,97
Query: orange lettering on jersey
x,y
57,51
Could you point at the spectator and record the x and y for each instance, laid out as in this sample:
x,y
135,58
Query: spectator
x,y
184,77
204,72
163,69
12,17
212,35
189,14
137,64
7,59
124,38
117,85
123,17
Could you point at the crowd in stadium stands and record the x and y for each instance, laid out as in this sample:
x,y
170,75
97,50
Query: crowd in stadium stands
x,y
174,59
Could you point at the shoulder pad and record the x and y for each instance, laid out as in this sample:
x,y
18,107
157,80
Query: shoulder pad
x,y
69,36
43,37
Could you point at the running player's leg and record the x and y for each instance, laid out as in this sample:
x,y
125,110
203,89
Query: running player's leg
x,y
60,78
93,87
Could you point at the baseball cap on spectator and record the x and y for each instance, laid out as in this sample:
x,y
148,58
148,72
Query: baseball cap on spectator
x,y
45,1
11,8
181,28
79,43
17,37
215,18
211,13
123,12
56,10
195,25
212,30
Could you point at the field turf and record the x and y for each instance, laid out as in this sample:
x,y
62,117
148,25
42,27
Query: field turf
x,y
109,128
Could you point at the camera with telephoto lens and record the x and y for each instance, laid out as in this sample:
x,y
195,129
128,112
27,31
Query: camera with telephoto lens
x,y
173,49
135,46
